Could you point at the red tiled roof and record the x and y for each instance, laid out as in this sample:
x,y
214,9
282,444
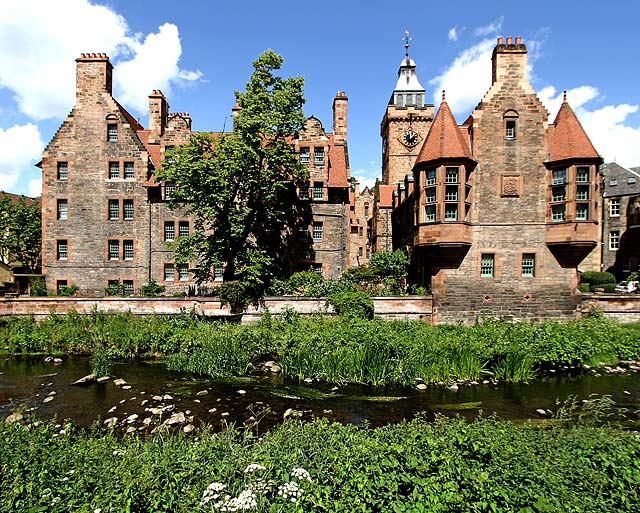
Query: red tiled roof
x,y
130,119
153,149
16,197
385,195
338,170
567,138
444,139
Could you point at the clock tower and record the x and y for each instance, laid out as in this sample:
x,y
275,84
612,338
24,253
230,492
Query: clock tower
x,y
406,122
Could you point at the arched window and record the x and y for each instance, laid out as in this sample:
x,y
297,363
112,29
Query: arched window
x,y
112,128
510,118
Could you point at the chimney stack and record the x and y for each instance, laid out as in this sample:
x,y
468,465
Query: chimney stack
x,y
340,118
509,61
94,75
158,112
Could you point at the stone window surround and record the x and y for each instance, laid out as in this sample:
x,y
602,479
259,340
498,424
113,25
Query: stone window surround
x,y
171,273
62,170
117,169
112,242
62,209
62,249
510,118
489,260
528,264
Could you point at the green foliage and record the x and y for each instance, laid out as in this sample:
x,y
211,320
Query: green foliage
x,y
604,287
38,287
99,363
352,304
115,289
20,233
597,278
390,265
67,290
152,289
575,465
584,287
233,293
240,186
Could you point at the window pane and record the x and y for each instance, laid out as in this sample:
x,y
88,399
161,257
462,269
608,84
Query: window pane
x,y
582,211
528,264
318,156
582,192
128,286
451,212
317,268
582,174
559,177
486,265
304,155
614,207
61,250
430,213
318,192
557,213
430,195
510,129
183,272
217,274
558,194
169,273
62,209
128,170
112,133
128,249
451,175
183,229
169,230
614,239
304,192
169,189
114,170
114,250
317,232
114,209
63,171
127,209
431,176
451,193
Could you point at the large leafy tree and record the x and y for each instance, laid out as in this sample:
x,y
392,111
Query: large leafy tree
x,y
20,232
240,186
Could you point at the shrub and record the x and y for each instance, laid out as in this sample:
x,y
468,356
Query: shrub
x,y
38,287
597,278
301,283
152,289
115,289
583,287
604,287
234,294
352,304
69,290
99,363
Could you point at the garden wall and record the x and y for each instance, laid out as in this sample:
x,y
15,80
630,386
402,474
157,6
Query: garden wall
x,y
414,307
617,307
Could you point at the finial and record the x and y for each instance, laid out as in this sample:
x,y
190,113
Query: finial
x,y
564,96
406,43
443,97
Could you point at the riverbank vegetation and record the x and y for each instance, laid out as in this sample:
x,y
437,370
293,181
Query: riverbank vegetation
x,y
336,349
574,464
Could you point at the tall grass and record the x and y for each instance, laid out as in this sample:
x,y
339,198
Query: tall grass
x,y
337,350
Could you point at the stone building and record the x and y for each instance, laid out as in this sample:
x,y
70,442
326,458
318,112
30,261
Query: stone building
x,y
361,208
497,213
105,220
621,220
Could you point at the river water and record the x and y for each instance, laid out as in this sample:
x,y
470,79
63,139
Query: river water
x,y
35,387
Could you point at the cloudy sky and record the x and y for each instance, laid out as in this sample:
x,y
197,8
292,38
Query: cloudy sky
x,y
200,53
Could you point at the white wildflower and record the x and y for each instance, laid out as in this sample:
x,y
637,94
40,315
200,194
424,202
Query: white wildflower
x,y
261,486
246,500
290,491
119,453
253,468
97,510
301,474
212,492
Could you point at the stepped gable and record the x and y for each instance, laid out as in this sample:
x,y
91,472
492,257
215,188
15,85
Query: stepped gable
x,y
444,140
567,138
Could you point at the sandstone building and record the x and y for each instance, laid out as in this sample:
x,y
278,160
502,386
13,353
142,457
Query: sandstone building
x,y
621,220
498,212
105,220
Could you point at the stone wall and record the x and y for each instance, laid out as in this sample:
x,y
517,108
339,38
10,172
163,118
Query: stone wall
x,y
617,307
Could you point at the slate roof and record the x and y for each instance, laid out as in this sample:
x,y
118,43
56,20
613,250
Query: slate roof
x,y
620,181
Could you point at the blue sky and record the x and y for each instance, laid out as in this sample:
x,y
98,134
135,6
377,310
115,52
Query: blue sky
x,y
199,52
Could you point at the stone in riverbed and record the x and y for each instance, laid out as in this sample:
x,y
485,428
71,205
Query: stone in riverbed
x,y
111,421
203,392
119,382
103,379
126,387
176,418
454,387
421,386
167,397
14,417
131,418
542,412
188,428
48,399
89,378
272,366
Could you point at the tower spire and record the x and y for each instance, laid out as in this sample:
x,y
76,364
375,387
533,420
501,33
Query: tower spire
x,y
407,38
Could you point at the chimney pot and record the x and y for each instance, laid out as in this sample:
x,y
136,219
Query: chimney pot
x,y
518,40
509,40
500,40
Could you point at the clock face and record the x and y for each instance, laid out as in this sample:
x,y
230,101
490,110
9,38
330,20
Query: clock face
x,y
410,138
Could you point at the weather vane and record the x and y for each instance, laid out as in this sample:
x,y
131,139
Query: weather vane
x,y
406,43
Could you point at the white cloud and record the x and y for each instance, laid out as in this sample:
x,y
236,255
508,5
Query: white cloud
x,y
154,66
366,180
21,149
37,53
490,28
35,187
453,34
466,79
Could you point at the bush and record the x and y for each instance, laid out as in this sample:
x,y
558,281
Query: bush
x,y
234,294
38,287
597,278
152,289
65,290
115,289
352,304
584,287
604,287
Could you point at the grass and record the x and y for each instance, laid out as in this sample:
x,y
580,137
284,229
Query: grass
x,y
575,464
337,350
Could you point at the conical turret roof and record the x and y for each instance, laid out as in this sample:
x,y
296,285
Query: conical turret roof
x,y
567,138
